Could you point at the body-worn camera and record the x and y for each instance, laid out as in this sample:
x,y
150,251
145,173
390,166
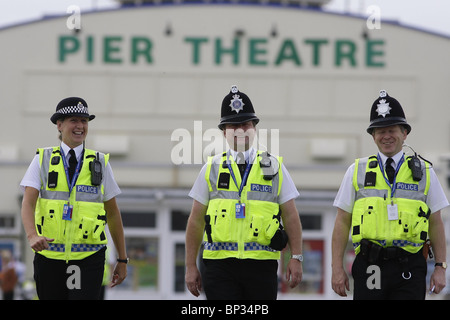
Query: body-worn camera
x,y
96,171
416,168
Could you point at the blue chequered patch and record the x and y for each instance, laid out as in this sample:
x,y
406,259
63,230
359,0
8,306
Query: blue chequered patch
x,y
404,243
83,247
58,247
216,246
233,246
254,246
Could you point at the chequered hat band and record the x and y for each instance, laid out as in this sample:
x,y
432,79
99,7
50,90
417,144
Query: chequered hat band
x,y
78,109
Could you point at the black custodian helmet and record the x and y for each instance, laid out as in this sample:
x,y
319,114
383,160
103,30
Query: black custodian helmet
x,y
236,108
386,111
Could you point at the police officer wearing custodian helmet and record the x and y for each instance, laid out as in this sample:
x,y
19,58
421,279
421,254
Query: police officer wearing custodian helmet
x,y
391,204
240,197
69,195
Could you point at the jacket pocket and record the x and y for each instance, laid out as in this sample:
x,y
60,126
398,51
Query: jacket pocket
x,y
48,223
91,223
221,225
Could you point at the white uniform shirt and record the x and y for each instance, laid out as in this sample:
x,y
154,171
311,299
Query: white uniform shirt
x,y
32,177
345,198
200,190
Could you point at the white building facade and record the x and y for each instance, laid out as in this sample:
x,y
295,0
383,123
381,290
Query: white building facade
x,y
155,76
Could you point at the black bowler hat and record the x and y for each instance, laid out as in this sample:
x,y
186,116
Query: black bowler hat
x,y
236,108
386,111
69,107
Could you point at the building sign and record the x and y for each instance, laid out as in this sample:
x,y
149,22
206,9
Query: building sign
x,y
240,51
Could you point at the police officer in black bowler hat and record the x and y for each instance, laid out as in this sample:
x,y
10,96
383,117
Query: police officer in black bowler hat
x,y
69,196
391,204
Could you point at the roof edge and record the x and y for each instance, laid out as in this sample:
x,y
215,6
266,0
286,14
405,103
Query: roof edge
x,y
243,3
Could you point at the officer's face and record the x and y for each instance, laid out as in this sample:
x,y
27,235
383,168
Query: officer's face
x,y
389,139
240,136
73,130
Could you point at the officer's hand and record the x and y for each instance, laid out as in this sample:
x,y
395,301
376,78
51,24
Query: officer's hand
x,y
339,281
119,274
193,280
437,280
39,243
294,272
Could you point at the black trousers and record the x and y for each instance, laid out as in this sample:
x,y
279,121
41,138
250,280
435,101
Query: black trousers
x,y
387,282
58,280
240,279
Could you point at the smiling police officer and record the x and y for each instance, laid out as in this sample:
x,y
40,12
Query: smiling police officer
x,y
391,204
69,194
239,197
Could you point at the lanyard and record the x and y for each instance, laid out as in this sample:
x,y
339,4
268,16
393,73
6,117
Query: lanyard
x,y
66,169
244,178
393,186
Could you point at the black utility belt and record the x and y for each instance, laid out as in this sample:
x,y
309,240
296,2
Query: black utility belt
x,y
375,253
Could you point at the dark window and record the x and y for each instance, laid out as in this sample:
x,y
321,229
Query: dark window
x,y
311,221
132,219
179,220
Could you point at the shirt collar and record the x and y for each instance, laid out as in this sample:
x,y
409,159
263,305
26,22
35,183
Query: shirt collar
x,y
396,158
78,150
249,155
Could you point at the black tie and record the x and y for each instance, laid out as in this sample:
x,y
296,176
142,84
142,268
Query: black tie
x,y
241,163
72,164
390,170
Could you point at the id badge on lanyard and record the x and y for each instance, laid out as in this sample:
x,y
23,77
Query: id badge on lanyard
x,y
240,210
68,208
67,212
392,208
240,207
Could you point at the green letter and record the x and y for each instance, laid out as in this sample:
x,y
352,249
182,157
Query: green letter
x,y
137,49
288,52
254,51
345,49
90,49
196,48
234,51
316,43
371,53
109,49
66,49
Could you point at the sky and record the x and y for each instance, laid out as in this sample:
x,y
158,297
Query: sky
x,y
431,15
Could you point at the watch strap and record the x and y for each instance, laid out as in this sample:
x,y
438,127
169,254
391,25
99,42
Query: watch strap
x,y
123,260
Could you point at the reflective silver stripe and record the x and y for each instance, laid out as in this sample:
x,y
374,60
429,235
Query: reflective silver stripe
x,y
47,154
413,195
81,247
262,196
54,195
399,193
365,193
89,197
221,194
214,172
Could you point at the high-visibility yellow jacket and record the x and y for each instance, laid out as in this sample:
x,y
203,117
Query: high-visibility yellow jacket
x,y
370,212
84,234
243,238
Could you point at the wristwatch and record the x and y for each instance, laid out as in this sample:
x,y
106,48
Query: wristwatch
x,y
123,260
298,257
441,264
